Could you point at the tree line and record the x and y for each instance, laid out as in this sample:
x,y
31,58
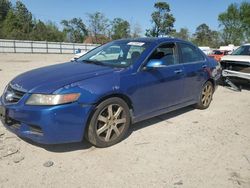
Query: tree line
x,y
17,22
234,25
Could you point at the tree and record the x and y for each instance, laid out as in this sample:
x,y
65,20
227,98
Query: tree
x,y
46,32
18,22
235,23
53,33
5,6
216,39
98,27
24,16
75,29
39,31
182,34
245,18
162,19
120,29
204,36
12,27
136,30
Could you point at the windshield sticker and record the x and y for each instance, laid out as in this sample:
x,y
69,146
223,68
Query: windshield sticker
x,y
136,43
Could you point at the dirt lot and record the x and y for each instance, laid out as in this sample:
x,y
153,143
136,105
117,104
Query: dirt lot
x,y
185,148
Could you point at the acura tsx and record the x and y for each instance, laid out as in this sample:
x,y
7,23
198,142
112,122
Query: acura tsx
x,y
98,96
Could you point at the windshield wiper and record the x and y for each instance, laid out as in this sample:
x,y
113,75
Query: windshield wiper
x,y
94,62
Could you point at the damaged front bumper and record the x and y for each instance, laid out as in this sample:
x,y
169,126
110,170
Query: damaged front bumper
x,y
226,74
233,71
236,74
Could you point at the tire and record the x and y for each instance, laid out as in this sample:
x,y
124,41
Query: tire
x,y
109,123
206,96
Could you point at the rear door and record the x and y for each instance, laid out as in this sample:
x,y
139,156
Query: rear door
x,y
194,64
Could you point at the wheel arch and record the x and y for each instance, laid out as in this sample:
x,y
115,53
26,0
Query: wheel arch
x,y
118,95
212,81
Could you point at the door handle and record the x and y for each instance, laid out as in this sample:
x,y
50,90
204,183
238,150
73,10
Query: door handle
x,y
178,71
204,66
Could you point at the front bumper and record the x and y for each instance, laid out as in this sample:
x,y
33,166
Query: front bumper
x,y
236,74
46,124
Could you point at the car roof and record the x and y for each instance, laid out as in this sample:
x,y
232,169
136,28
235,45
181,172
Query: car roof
x,y
153,39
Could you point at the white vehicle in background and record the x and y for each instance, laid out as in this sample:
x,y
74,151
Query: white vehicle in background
x,y
230,48
236,66
206,49
78,54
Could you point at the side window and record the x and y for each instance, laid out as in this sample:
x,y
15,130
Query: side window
x,y
190,53
133,50
166,53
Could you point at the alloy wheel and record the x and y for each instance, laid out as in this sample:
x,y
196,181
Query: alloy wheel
x,y
110,122
207,94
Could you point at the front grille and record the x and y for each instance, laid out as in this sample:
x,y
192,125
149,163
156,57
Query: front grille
x,y
12,122
12,95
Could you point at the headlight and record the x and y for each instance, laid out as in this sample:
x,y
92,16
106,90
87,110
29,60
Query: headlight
x,y
49,100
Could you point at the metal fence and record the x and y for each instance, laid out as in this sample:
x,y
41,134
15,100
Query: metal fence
x,y
21,46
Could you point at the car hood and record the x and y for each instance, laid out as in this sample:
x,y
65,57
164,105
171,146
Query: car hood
x,y
48,79
241,58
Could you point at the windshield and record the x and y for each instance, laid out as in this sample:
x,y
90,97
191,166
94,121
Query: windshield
x,y
116,54
243,50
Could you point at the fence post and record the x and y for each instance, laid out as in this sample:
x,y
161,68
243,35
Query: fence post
x,y
31,44
60,47
47,47
14,43
73,48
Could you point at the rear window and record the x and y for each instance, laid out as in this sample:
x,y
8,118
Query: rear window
x,y
190,53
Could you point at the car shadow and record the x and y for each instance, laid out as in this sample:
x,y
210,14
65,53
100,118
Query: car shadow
x,y
245,86
157,119
61,148
241,85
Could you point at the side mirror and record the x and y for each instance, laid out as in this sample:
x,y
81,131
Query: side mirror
x,y
155,63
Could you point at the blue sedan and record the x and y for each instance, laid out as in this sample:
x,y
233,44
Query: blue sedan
x,y
101,94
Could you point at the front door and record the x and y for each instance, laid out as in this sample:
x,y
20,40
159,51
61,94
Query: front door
x,y
161,87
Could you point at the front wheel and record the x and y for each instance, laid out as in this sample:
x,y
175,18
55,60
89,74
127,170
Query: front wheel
x,y
206,96
109,123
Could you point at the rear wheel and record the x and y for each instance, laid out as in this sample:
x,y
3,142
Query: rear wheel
x,y
206,96
109,123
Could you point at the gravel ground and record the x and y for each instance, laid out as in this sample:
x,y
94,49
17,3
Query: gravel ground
x,y
185,148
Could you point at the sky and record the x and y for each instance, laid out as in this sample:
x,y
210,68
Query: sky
x,y
188,13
